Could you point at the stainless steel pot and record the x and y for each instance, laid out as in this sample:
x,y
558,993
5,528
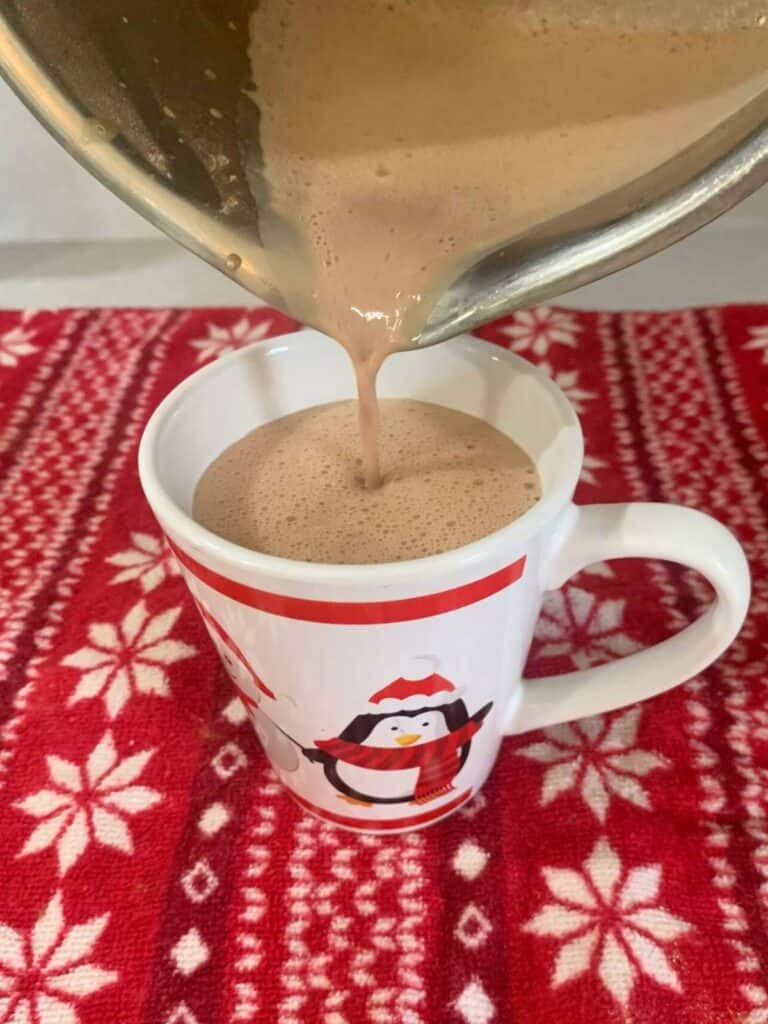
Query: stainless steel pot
x,y
148,96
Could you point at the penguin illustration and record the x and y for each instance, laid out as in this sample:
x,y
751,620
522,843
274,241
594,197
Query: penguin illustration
x,y
237,665
409,752
281,750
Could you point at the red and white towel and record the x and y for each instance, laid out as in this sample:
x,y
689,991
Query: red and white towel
x,y
153,872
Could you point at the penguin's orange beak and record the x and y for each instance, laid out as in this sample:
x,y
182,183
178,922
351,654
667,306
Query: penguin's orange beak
x,y
408,739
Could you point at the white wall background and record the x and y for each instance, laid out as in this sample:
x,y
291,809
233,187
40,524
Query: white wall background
x,y
65,240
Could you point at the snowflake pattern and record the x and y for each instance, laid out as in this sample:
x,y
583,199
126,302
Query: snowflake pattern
x,y
759,340
589,467
129,658
221,340
568,382
608,919
587,629
596,758
88,804
149,561
601,569
535,330
14,344
46,973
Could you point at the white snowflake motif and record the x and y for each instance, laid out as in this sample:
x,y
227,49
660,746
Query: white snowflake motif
x,y
88,804
149,561
601,569
596,758
609,919
14,344
589,467
221,340
582,626
536,329
759,340
45,974
568,382
130,658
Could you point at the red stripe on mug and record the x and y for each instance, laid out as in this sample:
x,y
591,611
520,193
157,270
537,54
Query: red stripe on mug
x,y
383,824
354,613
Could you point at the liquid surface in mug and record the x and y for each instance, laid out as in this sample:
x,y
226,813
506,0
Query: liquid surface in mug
x,y
294,487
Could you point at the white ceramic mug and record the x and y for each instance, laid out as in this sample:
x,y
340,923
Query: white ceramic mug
x,y
381,693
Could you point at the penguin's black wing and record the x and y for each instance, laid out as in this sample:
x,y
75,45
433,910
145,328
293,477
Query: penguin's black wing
x,y
479,716
317,756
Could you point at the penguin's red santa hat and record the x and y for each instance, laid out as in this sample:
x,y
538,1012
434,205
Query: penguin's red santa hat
x,y
419,686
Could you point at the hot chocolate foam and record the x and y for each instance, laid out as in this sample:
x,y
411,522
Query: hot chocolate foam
x,y
294,487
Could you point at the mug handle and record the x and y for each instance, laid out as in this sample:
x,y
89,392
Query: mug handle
x,y
594,533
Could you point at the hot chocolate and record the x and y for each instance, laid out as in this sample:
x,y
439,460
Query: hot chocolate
x,y
294,487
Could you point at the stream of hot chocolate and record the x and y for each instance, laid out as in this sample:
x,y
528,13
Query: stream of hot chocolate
x,y
401,140
366,373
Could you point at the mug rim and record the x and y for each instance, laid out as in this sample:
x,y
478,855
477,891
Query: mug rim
x,y
184,529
